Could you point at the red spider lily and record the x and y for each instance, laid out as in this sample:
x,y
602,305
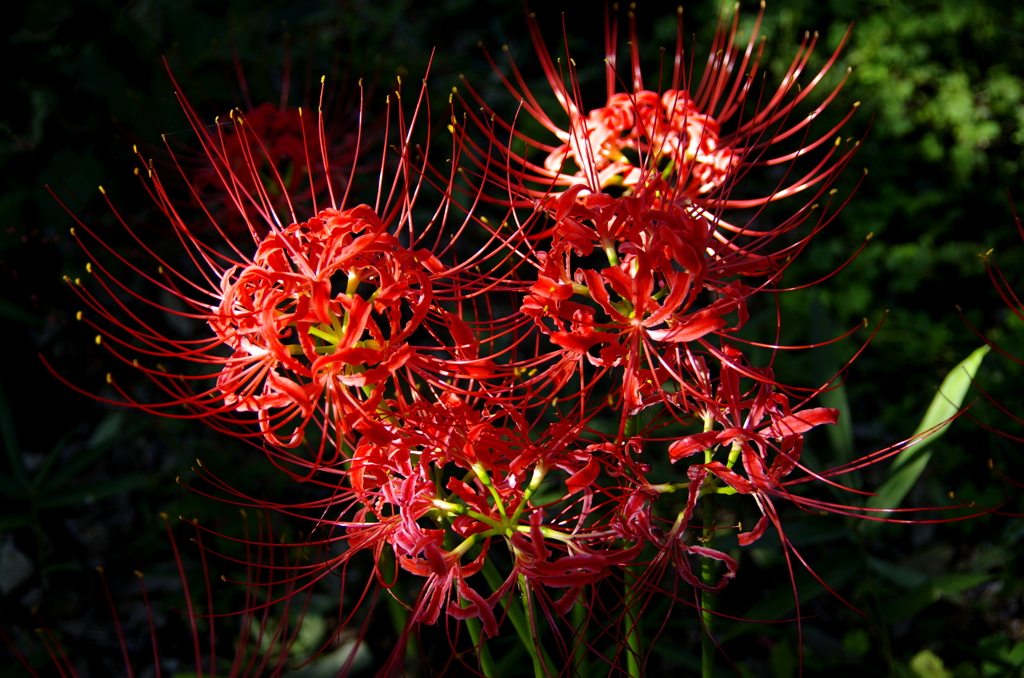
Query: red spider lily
x,y
676,270
279,317
311,326
273,151
399,364
682,145
668,282
476,478
752,429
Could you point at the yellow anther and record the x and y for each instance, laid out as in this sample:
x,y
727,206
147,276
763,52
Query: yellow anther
x,y
99,339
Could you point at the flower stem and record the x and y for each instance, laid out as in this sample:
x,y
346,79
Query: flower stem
x,y
483,654
707,598
538,666
515,614
629,576
632,621
579,622
399,613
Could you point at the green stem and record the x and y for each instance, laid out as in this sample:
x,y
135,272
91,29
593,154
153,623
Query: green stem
x,y
399,613
631,617
483,654
515,615
707,598
538,666
632,621
579,654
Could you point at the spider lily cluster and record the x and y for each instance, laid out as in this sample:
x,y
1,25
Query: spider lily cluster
x,y
506,359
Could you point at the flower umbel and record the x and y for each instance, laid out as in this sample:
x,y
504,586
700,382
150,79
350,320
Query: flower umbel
x,y
515,384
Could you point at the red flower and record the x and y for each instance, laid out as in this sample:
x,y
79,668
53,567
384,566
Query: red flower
x,y
297,343
274,154
314,322
689,143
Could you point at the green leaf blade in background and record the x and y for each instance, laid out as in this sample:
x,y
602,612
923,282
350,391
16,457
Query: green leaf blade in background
x,y
911,462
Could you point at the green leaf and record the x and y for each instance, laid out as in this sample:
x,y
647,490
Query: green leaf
x,y
835,570
10,521
927,664
107,434
922,596
52,458
11,488
911,462
11,311
903,576
10,438
825,364
92,492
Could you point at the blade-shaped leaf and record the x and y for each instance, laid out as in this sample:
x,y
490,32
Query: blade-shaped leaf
x,y
98,445
52,459
93,492
10,439
922,596
911,462
825,363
